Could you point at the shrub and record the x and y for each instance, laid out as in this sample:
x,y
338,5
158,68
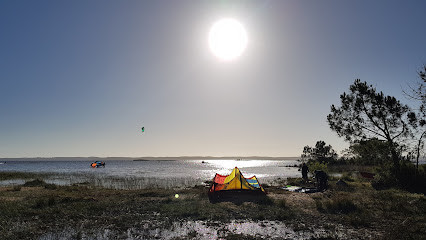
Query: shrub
x,y
34,183
314,165
50,186
341,205
407,178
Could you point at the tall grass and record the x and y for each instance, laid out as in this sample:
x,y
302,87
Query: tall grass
x,y
338,204
113,182
19,175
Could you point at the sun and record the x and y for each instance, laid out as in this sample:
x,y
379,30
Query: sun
x,y
227,39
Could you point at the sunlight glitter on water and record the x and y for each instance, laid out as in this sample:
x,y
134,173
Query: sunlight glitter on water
x,y
142,174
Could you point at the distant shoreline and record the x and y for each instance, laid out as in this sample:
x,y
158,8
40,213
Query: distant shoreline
x,y
145,158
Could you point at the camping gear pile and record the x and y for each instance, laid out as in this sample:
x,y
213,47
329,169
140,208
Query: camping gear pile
x,y
299,189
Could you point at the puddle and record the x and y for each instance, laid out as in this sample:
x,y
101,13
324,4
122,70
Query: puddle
x,y
203,230
12,182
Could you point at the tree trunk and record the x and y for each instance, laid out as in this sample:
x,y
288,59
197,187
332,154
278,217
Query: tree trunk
x,y
395,159
395,156
419,144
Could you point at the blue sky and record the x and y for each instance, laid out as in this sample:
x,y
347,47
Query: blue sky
x,y
80,78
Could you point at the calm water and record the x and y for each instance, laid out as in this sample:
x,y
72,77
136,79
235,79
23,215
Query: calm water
x,y
130,174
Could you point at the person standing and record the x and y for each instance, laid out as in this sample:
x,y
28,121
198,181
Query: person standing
x,y
322,180
305,171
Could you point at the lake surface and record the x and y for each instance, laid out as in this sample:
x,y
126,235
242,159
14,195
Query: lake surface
x,y
128,174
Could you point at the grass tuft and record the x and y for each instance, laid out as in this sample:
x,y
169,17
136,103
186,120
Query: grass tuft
x,y
16,188
336,205
34,183
50,186
282,203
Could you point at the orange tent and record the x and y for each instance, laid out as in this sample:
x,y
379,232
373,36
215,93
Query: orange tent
x,y
235,181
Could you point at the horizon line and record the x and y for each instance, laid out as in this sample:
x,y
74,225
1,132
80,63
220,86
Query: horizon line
x,y
142,157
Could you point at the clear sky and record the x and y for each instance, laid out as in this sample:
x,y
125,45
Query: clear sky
x,y
80,78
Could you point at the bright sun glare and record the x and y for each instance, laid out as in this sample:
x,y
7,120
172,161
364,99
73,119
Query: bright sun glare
x,y
227,39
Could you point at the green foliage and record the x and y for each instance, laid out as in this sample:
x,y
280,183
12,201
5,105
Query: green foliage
x,y
370,152
407,178
313,166
366,114
321,153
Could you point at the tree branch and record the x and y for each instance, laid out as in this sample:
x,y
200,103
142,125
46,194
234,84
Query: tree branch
x,y
402,131
377,133
374,123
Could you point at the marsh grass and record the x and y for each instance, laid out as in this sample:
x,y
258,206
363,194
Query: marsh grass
x,y
20,175
99,180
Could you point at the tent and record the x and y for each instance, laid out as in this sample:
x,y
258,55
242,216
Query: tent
x,y
235,182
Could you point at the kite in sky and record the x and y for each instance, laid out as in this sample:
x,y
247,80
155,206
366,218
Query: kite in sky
x,y
143,129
